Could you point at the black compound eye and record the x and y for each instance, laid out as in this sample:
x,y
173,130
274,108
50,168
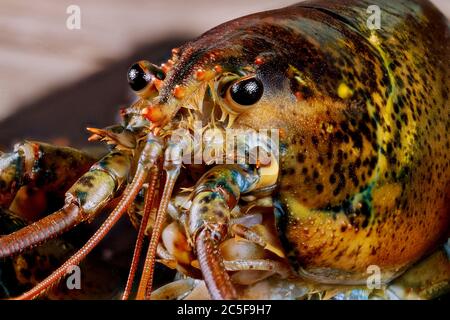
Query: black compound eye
x,y
247,92
138,78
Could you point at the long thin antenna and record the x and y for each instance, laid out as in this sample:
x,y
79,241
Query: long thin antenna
x,y
148,207
145,285
149,156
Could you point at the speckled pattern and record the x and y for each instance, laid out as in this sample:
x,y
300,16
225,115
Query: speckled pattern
x,y
365,120
374,170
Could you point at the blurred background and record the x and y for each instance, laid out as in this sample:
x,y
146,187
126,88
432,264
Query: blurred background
x,y
54,81
67,79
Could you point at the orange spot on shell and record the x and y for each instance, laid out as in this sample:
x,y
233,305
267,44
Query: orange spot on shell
x,y
158,84
259,61
179,92
152,113
165,68
200,74
298,95
145,112
175,50
218,69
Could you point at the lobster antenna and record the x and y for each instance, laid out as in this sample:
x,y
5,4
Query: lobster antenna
x,y
216,278
34,234
150,198
145,285
150,154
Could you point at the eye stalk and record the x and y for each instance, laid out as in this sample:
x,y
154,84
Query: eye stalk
x,y
244,93
142,74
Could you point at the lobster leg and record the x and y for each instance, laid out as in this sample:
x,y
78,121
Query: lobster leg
x,y
39,165
260,265
172,166
248,234
147,160
428,279
214,197
174,290
87,197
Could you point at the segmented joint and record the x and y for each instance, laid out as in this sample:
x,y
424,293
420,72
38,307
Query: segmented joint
x,y
217,231
151,153
229,198
117,165
100,184
210,212
29,154
173,155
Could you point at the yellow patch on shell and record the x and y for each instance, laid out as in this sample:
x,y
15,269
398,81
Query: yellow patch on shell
x,y
374,38
387,194
343,91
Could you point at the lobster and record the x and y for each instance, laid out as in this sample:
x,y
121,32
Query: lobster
x,y
359,175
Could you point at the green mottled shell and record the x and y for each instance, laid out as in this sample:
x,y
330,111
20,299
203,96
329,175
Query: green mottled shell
x,y
365,121
365,178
